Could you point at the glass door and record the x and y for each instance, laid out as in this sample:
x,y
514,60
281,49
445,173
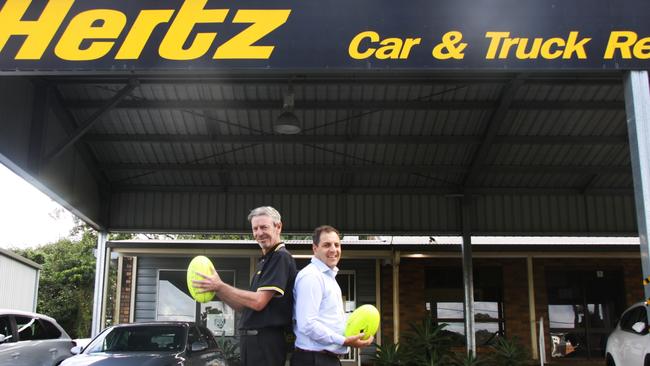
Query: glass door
x,y
583,306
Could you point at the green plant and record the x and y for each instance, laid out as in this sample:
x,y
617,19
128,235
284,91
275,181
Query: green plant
x,y
389,354
467,360
228,351
428,344
509,352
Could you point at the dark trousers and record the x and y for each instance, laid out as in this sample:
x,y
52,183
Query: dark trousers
x,y
267,348
313,359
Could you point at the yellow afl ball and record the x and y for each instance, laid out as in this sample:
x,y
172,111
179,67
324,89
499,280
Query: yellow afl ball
x,y
200,264
365,319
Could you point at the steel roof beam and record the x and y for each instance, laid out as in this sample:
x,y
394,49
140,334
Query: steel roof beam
x,y
432,105
374,168
448,192
345,139
70,124
359,78
89,122
493,124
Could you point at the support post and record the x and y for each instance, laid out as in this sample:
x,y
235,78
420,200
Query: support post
x,y
378,295
118,290
100,283
396,259
637,108
134,277
468,275
531,308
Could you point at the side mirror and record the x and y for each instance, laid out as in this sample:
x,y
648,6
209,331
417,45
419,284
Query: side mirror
x,y
640,327
76,350
199,346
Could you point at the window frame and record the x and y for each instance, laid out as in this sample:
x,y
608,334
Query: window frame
x,y
430,298
12,330
197,305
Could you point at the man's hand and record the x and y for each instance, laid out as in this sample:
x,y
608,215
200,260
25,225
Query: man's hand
x,y
357,342
210,282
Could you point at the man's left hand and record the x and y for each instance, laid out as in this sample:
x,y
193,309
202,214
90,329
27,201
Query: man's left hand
x,y
357,342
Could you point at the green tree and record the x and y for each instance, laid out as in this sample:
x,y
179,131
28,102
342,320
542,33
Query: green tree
x,y
67,281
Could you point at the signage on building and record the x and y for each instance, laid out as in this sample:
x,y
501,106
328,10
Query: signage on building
x,y
69,35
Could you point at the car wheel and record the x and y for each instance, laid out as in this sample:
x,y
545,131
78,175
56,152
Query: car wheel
x,y
646,362
610,361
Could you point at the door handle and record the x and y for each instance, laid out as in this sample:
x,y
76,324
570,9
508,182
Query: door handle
x,y
15,355
52,350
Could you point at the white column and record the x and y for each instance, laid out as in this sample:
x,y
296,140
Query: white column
x,y
637,107
100,283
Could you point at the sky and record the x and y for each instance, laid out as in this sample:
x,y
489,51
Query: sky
x,y
28,217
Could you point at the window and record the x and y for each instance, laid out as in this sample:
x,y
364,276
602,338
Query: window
x,y
582,306
638,314
176,303
51,330
209,337
34,329
347,282
5,329
445,294
139,339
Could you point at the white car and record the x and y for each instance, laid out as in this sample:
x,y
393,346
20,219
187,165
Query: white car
x,y
629,343
31,339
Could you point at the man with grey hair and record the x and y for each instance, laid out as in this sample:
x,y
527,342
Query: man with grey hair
x,y
268,306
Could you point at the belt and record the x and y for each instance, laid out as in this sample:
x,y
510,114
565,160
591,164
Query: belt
x,y
254,332
323,352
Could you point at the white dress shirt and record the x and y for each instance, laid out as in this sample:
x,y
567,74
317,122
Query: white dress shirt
x,y
319,318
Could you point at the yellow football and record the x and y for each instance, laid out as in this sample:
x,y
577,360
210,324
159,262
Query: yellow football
x,y
365,319
200,264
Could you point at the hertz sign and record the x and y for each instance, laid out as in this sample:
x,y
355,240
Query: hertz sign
x,y
337,34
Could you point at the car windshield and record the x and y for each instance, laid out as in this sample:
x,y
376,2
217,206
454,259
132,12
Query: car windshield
x,y
154,338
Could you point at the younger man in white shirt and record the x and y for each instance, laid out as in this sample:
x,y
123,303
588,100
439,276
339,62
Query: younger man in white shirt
x,y
319,318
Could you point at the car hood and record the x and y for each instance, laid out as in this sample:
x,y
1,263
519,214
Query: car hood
x,y
123,359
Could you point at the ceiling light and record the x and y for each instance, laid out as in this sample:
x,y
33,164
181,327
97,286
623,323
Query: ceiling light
x,y
287,122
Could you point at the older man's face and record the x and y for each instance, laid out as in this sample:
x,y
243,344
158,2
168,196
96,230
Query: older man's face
x,y
265,232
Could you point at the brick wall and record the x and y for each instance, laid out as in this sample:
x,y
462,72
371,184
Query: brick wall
x,y
515,289
387,303
125,293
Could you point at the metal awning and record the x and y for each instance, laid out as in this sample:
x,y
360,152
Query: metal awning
x,y
389,153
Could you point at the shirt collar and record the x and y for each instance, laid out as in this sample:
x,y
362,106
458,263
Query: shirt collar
x,y
277,247
323,267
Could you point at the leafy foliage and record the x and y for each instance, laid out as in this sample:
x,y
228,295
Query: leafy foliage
x,y
228,351
428,344
509,352
389,354
66,281
467,360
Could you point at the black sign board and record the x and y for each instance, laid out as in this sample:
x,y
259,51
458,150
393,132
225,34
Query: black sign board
x,y
70,35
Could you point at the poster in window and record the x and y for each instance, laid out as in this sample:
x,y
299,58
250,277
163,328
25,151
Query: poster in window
x,y
219,318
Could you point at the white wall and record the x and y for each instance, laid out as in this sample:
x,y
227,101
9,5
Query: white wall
x,y
18,285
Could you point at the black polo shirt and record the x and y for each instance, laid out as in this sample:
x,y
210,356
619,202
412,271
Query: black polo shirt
x,y
275,271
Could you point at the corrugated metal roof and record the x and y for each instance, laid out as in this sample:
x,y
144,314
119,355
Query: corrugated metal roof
x,y
380,142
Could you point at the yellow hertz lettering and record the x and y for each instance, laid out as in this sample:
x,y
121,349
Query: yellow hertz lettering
x,y
92,34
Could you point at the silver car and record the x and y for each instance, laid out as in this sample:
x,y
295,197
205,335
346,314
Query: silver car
x,y
31,339
150,344
629,343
